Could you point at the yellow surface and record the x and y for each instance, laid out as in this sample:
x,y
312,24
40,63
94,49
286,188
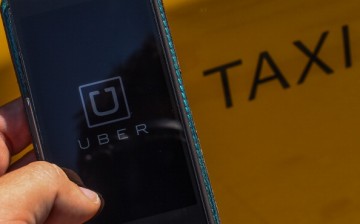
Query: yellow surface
x,y
290,155
8,84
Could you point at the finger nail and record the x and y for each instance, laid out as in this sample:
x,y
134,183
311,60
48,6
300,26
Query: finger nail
x,y
95,218
91,195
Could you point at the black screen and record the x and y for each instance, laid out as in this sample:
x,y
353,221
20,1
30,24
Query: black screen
x,y
105,106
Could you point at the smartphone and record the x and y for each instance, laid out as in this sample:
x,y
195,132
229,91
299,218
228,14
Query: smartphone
x,y
104,97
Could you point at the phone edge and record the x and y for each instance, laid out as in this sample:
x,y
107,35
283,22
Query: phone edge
x,y
15,53
170,48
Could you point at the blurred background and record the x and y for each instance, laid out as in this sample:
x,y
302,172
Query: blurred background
x,y
274,88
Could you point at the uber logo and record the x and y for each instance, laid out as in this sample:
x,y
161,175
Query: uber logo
x,y
104,102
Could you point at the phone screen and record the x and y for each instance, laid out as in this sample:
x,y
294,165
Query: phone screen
x,y
105,106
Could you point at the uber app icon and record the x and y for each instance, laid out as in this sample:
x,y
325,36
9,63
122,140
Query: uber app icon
x,y
104,102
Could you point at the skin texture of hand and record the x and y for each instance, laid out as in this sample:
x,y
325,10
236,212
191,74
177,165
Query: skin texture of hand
x,y
36,192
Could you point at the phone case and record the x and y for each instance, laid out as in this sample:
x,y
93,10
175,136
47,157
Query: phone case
x,y
22,80
191,123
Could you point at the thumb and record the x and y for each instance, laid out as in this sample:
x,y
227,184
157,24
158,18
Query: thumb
x,y
41,193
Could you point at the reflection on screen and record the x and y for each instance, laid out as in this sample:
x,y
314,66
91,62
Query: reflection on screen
x,y
105,106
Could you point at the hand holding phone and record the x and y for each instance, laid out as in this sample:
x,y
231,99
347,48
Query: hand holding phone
x,y
22,185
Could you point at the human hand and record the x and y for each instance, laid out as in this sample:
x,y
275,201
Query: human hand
x,y
36,192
